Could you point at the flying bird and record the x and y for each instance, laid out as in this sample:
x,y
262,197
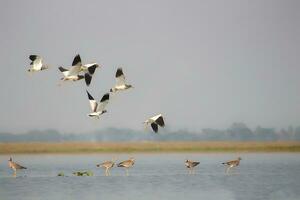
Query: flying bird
x,y
232,163
78,71
190,165
98,108
127,164
155,121
36,64
14,166
120,82
107,165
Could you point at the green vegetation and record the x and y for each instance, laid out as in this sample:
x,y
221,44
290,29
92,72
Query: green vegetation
x,y
83,173
197,146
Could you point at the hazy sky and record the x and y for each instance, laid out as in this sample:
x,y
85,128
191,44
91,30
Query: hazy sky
x,y
200,63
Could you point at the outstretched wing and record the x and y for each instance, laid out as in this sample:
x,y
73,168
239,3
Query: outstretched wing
x,y
74,70
103,102
91,69
120,78
160,121
93,103
154,127
76,61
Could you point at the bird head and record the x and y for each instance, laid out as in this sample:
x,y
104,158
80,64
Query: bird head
x,y
10,159
239,158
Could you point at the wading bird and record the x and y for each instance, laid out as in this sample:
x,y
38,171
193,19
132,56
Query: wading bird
x,y
36,64
98,108
15,166
155,121
120,82
127,164
107,165
232,163
190,165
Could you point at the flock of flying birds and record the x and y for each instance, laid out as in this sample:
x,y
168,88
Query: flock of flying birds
x,y
79,71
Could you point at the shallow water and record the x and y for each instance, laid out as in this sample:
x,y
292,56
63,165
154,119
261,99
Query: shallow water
x,y
154,176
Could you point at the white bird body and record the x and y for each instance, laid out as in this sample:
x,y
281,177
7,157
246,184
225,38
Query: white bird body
x,y
120,82
36,64
98,108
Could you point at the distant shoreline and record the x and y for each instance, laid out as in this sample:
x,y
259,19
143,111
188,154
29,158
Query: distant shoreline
x,y
149,146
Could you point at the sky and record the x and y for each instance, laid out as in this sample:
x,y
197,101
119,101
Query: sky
x,y
202,64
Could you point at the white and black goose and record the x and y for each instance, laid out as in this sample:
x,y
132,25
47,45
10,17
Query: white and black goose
x,y
120,82
155,121
36,64
74,72
98,108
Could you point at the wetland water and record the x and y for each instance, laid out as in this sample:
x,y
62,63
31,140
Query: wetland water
x,y
154,176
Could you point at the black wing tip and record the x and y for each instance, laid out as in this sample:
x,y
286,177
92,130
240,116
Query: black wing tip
x,y
62,69
92,69
154,127
88,79
160,121
76,60
119,72
33,57
89,95
105,97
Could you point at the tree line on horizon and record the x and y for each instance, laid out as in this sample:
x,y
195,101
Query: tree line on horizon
x,y
236,132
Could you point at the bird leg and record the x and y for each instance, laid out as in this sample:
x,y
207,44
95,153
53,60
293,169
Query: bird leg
x,y
126,172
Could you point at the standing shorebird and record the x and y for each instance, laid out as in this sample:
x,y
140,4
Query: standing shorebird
x,y
190,165
232,163
36,64
155,121
107,165
120,82
98,108
127,164
15,166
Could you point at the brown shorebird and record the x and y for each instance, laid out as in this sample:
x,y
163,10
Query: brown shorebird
x,y
190,165
14,166
127,164
232,163
107,165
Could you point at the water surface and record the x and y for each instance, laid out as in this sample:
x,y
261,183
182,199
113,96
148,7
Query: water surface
x,y
154,176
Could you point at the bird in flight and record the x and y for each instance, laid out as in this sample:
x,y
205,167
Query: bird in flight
x,y
98,108
155,121
79,71
120,82
36,64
